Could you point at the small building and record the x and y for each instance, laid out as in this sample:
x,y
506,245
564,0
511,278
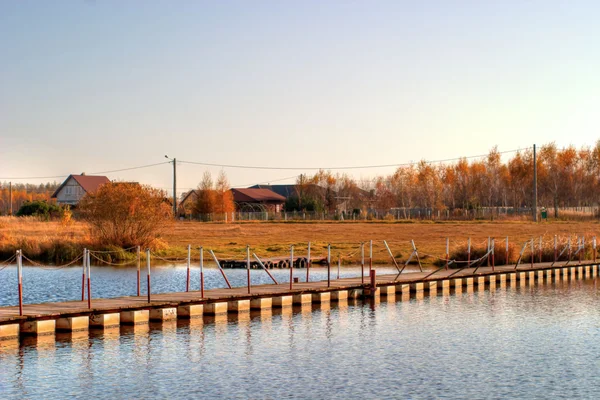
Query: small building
x,y
257,200
76,186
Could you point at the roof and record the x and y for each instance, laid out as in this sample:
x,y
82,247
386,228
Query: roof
x,y
290,190
89,183
256,196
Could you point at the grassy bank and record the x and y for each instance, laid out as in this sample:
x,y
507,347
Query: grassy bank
x,y
53,242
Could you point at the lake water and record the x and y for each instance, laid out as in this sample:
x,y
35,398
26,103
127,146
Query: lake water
x,y
531,342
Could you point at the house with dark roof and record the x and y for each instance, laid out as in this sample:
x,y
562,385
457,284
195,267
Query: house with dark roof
x,y
253,199
76,186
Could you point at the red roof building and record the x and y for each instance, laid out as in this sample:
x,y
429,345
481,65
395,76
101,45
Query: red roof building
x,y
257,200
76,186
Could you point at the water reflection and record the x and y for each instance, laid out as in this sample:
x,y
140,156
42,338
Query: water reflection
x,y
530,341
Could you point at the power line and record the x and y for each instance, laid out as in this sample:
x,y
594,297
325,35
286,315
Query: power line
x,y
92,173
345,167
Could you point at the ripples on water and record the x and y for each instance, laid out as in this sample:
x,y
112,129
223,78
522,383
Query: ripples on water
x,y
530,342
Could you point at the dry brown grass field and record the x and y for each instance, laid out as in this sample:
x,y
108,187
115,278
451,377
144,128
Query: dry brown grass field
x,y
53,241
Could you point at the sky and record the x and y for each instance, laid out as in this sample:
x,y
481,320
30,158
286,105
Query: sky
x,y
94,86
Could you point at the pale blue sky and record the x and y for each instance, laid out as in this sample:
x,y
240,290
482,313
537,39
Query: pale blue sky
x,y
101,85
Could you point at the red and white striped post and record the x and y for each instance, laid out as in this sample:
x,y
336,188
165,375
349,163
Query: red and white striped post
x,y
148,266
20,279
189,260
447,252
89,280
489,245
308,264
248,265
139,262
532,251
594,247
328,265
362,263
493,254
555,248
370,257
201,272
469,251
507,257
83,275
339,264
541,249
569,244
291,267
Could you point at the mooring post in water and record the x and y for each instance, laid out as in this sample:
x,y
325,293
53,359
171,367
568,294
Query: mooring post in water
x,y
308,263
139,261
189,260
20,279
362,262
83,276
201,272
328,265
373,279
370,256
248,265
469,251
148,266
447,252
555,248
507,258
89,279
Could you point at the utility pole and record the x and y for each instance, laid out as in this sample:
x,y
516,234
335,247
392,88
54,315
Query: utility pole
x,y
10,197
535,196
174,161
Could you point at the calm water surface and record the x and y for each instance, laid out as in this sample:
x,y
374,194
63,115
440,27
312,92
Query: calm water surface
x,y
523,342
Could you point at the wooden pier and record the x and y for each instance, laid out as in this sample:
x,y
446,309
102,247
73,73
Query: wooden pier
x,y
49,318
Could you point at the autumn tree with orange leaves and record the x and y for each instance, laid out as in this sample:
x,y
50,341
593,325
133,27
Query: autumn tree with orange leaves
x,y
126,214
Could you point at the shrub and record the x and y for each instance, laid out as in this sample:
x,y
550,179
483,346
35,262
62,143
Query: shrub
x,y
126,214
38,208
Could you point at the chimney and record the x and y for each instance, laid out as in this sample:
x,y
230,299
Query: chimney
x,y
83,174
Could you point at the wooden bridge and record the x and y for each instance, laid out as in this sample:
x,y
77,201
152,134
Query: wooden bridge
x,y
71,316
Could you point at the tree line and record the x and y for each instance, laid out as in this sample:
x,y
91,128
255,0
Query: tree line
x,y
23,193
567,177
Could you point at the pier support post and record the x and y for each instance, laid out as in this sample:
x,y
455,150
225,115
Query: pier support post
x,y
73,324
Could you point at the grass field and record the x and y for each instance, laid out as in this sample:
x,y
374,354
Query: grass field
x,y
51,241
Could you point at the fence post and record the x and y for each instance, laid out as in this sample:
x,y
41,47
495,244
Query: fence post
x,y
291,266
469,251
138,269
148,266
20,279
447,252
201,272
248,265
532,251
370,256
83,275
308,264
328,265
189,260
89,280
362,262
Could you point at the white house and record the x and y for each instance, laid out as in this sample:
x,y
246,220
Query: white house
x,y
76,186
